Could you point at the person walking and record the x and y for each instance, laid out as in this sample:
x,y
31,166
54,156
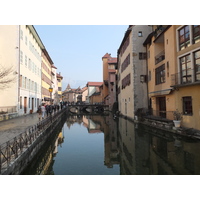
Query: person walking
x,y
39,111
43,110
47,110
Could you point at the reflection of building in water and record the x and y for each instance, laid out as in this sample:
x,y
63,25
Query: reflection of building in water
x,y
127,147
58,142
174,156
72,119
108,126
160,152
93,127
85,121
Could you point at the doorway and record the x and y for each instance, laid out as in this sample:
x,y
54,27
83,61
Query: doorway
x,y
162,106
25,105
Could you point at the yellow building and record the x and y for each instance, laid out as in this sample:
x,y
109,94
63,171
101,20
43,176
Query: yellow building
x,y
186,81
59,80
46,75
173,72
161,62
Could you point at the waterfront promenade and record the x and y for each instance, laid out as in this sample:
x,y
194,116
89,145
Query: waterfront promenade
x,y
14,127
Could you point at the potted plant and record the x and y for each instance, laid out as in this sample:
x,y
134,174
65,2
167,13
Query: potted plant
x,y
177,118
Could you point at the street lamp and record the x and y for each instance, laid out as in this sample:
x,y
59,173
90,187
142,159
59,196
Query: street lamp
x,y
50,90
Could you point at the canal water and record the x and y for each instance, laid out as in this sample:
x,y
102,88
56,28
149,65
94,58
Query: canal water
x,y
101,145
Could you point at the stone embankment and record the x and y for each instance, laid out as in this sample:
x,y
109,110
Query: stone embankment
x,y
17,152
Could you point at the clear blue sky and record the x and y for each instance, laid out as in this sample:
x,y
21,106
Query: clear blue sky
x,y
77,50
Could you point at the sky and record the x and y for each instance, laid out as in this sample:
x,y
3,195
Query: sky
x,y
77,50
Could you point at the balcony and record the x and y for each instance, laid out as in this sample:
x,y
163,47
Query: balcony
x,y
160,57
185,78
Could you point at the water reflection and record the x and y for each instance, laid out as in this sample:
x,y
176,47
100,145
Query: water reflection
x,y
117,146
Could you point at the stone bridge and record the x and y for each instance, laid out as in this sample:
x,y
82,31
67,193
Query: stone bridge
x,y
90,108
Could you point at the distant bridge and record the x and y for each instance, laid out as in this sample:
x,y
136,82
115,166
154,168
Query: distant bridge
x,y
90,108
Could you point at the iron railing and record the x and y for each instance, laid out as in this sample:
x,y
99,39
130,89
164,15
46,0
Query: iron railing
x,y
160,57
155,114
12,149
186,77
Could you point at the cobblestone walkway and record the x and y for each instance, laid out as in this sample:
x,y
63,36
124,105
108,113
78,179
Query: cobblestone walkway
x,y
13,127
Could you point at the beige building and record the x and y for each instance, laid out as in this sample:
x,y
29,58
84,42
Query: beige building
x,y
21,47
75,95
59,83
9,58
132,71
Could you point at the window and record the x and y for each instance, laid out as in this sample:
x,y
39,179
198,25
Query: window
x,y
26,40
59,89
149,77
126,81
29,63
185,67
196,33
26,60
184,37
142,56
21,57
125,63
20,102
140,34
21,34
197,65
187,105
160,74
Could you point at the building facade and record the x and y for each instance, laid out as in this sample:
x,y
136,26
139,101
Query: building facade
x,y
9,58
132,71
186,80
59,83
161,59
46,76
109,80
94,87
23,51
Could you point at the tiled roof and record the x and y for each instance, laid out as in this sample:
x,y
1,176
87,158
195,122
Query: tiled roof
x,y
94,83
59,76
107,55
112,60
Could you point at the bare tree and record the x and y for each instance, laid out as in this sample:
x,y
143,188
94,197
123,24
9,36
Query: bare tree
x,y
7,77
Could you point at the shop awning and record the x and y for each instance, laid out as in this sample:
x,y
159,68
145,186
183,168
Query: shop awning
x,y
160,92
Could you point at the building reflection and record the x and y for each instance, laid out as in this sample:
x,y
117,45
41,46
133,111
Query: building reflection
x,y
136,148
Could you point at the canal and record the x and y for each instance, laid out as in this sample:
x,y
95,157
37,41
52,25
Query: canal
x,y
101,145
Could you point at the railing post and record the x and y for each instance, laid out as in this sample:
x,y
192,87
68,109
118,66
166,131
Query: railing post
x,y
8,152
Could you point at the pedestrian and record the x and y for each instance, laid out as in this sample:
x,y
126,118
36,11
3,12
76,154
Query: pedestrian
x,y
39,111
47,110
43,111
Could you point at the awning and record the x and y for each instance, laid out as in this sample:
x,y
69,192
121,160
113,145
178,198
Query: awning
x,y
46,99
160,92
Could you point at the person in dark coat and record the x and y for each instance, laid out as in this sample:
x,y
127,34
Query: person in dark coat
x,y
47,110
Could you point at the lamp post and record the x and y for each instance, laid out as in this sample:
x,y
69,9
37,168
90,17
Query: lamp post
x,y
50,90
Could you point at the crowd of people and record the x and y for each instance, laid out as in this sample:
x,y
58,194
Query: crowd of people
x,y
45,110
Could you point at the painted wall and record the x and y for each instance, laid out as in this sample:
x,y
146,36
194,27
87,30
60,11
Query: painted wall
x,y
9,57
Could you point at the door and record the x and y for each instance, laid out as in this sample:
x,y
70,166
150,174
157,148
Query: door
x,y
162,106
25,105
32,104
